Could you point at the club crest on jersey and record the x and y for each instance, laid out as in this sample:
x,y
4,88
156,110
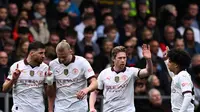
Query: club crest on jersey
x,y
117,79
65,71
32,73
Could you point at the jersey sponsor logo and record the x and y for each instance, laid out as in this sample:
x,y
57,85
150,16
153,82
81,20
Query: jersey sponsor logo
x,y
116,88
32,73
116,79
65,71
75,71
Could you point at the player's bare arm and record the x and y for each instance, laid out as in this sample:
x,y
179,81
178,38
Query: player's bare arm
x,y
93,86
92,100
149,66
9,83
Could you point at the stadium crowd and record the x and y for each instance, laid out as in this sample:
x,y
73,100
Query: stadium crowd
x,y
93,30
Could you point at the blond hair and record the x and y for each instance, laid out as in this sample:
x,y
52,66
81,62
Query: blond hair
x,y
63,45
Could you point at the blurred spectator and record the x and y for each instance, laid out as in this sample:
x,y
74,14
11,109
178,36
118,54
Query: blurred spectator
x,y
61,6
107,20
63,24
3,13
28,6
71,38
169,37
140,90
128,31
54,39
154,82
194,70
2,23
12,13
40,8
191,46
21,27
193,10
6,32
24,14
89,57
4,68
142,13
87,41
151,24
72,10
156,102
132,56
39,30
88,20
9,47
145,39
123,16
167,16
187,22
140,87
111,32
50,54
179,44
104,55
21,49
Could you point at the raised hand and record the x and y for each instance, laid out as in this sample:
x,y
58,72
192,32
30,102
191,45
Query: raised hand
x,y
146,51
165,53
16,73
80,95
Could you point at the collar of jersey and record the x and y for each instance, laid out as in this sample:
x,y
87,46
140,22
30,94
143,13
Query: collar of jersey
x,y
72,61
123,70
26,63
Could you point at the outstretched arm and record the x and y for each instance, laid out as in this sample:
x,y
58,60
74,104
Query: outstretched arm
x,y
149,66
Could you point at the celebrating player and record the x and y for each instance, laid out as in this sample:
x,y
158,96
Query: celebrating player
x,y
117,82
70,73
27,78
182,98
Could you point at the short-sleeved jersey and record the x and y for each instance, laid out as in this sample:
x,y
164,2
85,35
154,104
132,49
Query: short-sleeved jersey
x,y
69,80
28,91
118,89
181,84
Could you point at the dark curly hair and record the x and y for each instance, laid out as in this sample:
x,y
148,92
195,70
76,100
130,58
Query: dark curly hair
x,y
180,57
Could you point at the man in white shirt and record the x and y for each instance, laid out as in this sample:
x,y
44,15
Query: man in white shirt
x,y
27,78
182,89
88,20
117,82
70,74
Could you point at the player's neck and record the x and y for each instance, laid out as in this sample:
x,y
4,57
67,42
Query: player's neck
x,y
177,71
31,62
117,69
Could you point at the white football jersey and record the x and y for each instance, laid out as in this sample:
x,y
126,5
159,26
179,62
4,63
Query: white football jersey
x,y
28,92
181,84
118,89
69,80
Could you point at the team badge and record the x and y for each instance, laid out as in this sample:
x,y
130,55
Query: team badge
x,y
117,79
32,73
65,71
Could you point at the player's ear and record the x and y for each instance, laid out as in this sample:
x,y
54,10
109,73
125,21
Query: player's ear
x,y
71,51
